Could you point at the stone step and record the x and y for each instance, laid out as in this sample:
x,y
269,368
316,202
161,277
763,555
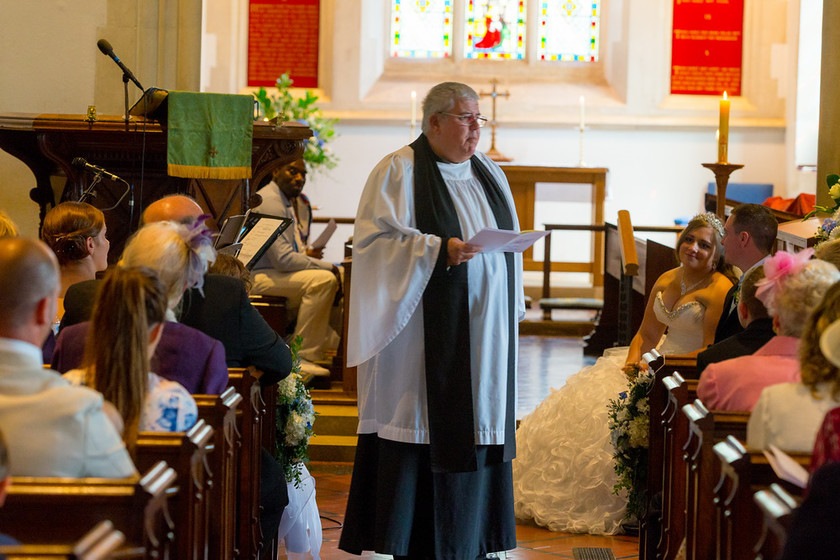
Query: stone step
x,y
336,420
332,449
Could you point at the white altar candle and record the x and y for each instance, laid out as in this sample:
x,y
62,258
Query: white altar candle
x,y
582,120
413,114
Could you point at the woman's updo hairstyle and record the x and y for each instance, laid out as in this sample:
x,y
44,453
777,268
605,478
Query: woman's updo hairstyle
x,y
67,228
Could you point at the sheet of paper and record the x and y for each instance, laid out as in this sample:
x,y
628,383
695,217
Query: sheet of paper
x,y
494,240
325,236
786,468
254,239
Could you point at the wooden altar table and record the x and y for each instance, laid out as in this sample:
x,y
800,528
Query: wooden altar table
x,y
523,180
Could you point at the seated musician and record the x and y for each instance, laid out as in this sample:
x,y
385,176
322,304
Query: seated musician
x,y
791,289
788,415
223,311
758,326
296,271
126,327
179,255
51,427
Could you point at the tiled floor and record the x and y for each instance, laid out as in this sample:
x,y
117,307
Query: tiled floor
x,y
532,542
544,364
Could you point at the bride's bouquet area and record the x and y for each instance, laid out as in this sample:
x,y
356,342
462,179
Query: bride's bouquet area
x,y
300,527
628,422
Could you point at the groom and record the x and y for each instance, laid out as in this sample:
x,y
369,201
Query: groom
x,y
749,238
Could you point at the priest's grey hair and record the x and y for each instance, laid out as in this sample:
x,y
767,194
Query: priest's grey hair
x,y
441,99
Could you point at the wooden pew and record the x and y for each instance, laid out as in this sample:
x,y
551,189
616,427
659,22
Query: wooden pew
x,y
249,420
69,506
100,543
776,507
673,483
743,473
273,310
702,472
661,416
220,412
186,453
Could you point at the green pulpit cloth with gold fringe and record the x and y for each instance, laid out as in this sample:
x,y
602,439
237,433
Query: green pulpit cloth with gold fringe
x,y
209,135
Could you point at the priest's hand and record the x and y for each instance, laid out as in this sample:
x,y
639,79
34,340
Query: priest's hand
x,y
460,252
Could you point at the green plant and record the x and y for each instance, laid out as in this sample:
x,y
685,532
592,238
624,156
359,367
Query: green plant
x,y
286,107
828,229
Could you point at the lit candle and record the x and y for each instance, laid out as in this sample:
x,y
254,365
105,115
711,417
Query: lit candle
x,y
582,120
723,130
413,108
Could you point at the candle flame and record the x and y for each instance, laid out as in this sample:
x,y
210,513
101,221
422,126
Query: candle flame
x,y
413,94
724,95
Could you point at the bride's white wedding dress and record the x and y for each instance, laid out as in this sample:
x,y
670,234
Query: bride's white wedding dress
x,y
563,473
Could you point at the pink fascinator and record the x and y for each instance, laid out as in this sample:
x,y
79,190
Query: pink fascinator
x,y
776,269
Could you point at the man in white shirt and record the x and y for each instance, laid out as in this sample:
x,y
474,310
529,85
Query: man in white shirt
x,y
51,427
296,271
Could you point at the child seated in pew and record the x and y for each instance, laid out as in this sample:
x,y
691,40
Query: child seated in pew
x,y
788,415
792,288
125,329
179,254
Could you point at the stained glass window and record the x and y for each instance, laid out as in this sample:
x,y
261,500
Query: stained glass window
x,y
568,30
495,29
421,28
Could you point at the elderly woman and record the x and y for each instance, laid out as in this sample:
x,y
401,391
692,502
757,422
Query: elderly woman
x,y
433,329
179,254
789,415
793,288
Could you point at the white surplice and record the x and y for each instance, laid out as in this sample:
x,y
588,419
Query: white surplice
x,y
392,263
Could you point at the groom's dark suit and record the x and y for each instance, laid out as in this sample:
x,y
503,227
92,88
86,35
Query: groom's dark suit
x,y
744,343
728,324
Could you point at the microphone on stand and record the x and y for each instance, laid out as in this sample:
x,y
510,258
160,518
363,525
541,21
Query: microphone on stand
x,y
82,163
108,50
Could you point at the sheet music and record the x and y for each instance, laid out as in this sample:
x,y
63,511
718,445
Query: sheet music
x,y
253,241
325,236
494,240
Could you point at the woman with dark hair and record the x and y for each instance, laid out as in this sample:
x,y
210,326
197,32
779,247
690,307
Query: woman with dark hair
x,y
125,329
563,472
76,233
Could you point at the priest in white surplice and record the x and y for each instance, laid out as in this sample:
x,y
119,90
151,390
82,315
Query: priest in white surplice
x,y
433,327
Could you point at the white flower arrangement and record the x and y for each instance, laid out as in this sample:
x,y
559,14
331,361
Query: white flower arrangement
x,y
295,417
629,421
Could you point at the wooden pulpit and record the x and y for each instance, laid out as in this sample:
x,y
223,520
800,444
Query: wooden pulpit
x,y
47,144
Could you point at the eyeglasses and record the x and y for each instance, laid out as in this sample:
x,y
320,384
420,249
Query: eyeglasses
x,y
468,119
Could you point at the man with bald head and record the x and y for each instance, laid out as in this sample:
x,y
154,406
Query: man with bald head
x,y
173,208
51,427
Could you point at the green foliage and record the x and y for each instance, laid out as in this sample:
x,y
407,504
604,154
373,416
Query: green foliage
x,y
295,416
286,107
828,229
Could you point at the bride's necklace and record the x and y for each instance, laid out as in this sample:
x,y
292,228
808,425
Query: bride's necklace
x,y
685,289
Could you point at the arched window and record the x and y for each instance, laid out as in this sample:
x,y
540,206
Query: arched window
x,y
566,30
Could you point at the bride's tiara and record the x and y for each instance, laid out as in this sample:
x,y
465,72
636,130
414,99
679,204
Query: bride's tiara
x,y
710,219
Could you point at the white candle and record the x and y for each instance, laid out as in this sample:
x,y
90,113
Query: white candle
x,y
413,108
582,120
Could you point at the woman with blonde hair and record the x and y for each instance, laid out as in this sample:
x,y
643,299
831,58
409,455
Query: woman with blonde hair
x,y
788,415
180,255
563,474
126,327
7,226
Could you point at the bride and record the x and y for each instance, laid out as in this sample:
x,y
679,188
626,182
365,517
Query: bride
x,y
563,473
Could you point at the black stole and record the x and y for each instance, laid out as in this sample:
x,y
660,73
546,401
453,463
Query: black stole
x,y
446,325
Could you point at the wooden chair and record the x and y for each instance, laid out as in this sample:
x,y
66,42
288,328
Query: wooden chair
x,y
219,411
60,510
103,542
190,509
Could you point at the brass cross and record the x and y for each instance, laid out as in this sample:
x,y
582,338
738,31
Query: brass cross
x,y
493,153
